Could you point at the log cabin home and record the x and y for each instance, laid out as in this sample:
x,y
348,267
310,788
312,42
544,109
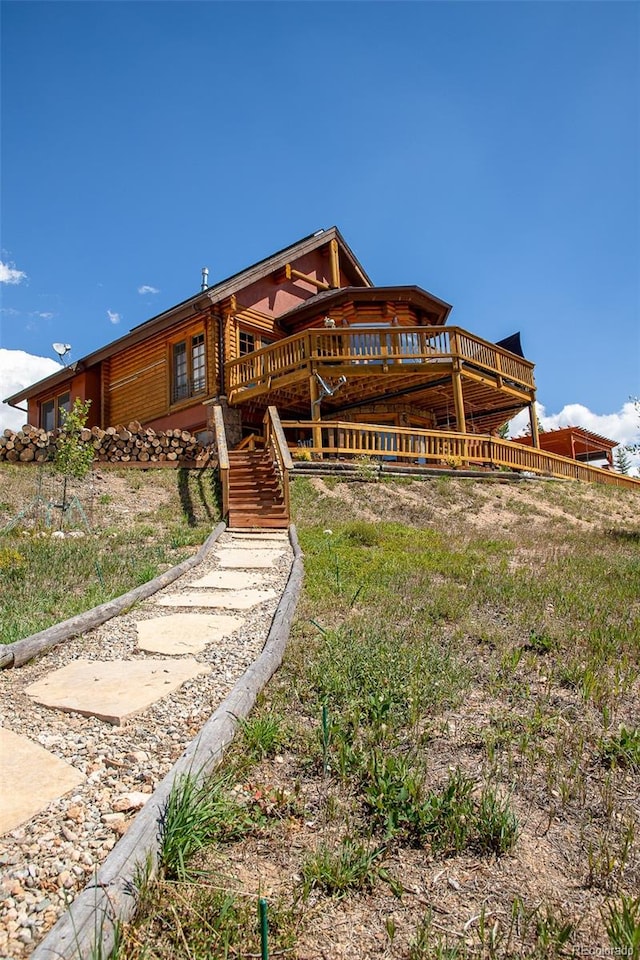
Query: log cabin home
x,y
304,330
346,367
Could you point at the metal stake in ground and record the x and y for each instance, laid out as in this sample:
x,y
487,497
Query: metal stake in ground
x,y
264,929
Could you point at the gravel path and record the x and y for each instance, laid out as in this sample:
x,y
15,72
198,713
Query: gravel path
x,y
45,862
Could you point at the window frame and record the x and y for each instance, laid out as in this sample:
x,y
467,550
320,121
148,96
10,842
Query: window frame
x,y
48,414
62,404
261,339
56,404
184,385
244,332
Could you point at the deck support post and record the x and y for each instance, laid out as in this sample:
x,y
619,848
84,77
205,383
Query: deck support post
x,y
533,420
458,399
314,396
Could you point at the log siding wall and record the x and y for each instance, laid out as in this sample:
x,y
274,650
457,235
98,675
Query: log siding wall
x,y
138,381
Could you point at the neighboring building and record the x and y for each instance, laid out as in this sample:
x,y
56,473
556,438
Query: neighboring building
x,y
304,330
577,444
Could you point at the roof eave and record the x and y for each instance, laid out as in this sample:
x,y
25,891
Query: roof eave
x,y
46,383
411,293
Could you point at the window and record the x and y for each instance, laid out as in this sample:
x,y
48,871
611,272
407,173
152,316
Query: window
x,y
48,415
198,362
246,342
51,411
64,404
180,376
188,368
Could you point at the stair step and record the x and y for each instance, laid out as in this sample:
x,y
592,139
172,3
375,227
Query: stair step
x,y
256,505
263,510
258,490
248,458
276,510
252,520
255,497
248,504
251,477
252,467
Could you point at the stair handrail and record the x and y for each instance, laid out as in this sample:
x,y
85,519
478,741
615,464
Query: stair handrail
x,y
250,442
223,457
276,442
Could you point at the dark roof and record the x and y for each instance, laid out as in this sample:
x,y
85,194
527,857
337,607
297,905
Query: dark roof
x,y
513,344
219,291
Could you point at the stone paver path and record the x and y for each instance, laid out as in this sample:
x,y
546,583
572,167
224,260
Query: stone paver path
x,y
230,580
100,720
184,633
249,559
31,778
227,599
112,690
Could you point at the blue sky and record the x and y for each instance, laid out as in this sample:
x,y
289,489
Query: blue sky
x,y
488,152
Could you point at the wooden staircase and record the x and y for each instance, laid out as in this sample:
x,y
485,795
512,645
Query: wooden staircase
x,y
255,495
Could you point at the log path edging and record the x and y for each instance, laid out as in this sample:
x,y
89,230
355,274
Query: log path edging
x,y
89,927
21,651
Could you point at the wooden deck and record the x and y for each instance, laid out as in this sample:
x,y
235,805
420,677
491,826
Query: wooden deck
x,y
382,363
340,439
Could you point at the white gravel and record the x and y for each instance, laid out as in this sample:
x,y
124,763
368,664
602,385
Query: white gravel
x,y
45,862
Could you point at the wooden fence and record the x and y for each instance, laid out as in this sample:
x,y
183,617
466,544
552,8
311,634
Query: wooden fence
x,y
335,438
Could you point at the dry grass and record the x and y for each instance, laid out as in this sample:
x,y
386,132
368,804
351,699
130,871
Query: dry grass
x,y
123,529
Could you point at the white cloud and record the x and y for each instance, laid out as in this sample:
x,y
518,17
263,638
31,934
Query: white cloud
x,y
113,317
145,288
19,369
623,426
9,274
42,316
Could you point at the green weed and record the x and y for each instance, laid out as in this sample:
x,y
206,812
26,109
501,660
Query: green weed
x,y
622,923
336,872
197,814
204,921
263,735
622,749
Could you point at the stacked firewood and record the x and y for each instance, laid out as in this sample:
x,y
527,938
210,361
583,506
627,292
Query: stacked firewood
x,y
142,444
26,445
119,444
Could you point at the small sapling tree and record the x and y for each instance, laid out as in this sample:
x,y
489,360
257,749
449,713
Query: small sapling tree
x,y
621,460
73,456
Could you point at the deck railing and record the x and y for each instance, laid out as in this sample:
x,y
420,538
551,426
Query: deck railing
x,y
372,346
275,442
441,448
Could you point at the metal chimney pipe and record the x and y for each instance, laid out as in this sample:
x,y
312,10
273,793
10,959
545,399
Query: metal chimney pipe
x,y
205,278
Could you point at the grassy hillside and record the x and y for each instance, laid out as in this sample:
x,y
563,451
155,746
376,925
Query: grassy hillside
x,y
448,762
124,528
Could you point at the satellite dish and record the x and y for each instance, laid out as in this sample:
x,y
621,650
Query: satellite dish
x,y
62,349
